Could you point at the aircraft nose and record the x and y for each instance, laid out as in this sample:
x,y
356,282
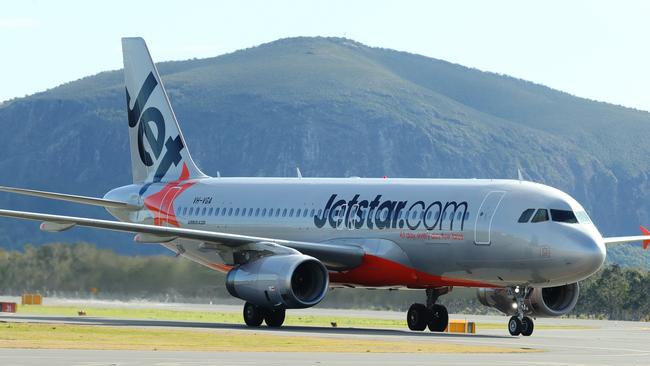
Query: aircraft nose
x,y
591,254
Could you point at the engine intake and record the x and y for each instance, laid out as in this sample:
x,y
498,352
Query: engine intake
x,y
290,281
541,302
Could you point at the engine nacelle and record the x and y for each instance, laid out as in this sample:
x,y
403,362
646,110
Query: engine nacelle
x,y
289,281
541,302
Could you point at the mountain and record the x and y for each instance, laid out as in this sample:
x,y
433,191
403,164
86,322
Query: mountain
x,y
333,107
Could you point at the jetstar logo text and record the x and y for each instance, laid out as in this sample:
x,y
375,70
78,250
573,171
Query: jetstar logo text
x,y
387,214
143,120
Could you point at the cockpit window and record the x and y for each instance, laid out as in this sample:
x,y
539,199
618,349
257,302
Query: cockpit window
x,y
540,215
583,218
525,216
564,216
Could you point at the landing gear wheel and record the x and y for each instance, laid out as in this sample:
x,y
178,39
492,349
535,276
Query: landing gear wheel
x,y
514,326
417,317
275,317
527,326
439,318
253,315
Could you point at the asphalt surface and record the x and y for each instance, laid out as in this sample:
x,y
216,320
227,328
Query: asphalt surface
x,y
604,343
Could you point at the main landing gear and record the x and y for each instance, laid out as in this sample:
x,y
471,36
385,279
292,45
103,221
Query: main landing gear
x,y
520,324
254,316
431,315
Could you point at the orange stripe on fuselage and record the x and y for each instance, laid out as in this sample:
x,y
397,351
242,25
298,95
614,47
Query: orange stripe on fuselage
x,y
156,201
380,272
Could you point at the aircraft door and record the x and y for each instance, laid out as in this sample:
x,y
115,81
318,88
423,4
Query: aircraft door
x,y
484,217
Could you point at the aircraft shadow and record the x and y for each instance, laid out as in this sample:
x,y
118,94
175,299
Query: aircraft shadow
x,y
188,324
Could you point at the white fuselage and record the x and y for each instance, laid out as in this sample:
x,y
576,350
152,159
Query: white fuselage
x,y
462,232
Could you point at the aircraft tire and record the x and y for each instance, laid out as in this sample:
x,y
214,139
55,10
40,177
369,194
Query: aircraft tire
x,y
438,319
253,315
417,317
527,326
514,326
275,317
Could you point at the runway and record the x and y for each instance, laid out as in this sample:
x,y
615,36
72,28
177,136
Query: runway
x,y
601,343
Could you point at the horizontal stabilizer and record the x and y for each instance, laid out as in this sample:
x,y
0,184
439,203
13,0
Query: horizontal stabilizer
x,y
70,198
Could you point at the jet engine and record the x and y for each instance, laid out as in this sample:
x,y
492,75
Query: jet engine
x,y
289,281
540,302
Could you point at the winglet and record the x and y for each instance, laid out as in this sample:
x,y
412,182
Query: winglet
x,y
645,232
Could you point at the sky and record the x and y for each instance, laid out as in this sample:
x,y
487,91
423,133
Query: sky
x,y
592,49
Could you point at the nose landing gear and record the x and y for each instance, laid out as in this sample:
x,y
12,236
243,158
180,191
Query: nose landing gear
x,y
520,324
432,315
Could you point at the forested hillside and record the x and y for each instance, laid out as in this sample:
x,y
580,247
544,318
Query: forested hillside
x,y
333,107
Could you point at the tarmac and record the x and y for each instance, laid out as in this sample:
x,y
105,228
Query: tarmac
x,y
597,343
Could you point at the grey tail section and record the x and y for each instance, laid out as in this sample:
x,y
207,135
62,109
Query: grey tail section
x,y
158,150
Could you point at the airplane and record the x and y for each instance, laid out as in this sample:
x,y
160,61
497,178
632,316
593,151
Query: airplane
x,y
284,242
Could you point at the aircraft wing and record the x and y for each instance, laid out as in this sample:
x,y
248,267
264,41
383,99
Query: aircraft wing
x,y
333,256
645,238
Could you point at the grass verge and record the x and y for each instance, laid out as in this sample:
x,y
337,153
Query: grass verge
x,y
64,336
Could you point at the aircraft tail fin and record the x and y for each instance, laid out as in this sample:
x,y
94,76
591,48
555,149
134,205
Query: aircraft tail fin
x,y
158,149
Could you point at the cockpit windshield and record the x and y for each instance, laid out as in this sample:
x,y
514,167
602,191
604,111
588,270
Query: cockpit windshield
x,y
564,216
583,218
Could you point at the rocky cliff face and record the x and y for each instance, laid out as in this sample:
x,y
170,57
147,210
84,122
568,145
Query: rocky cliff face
x,y
333,107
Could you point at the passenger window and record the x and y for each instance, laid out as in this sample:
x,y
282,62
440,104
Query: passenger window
x,y
216,211
540,215
250,212
564,216
298,213
304,214
525,216
284,212
263,212
277,212
466,216
257,212
230,211
237,211
191,211
320,211
203,211
184,211
291,213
